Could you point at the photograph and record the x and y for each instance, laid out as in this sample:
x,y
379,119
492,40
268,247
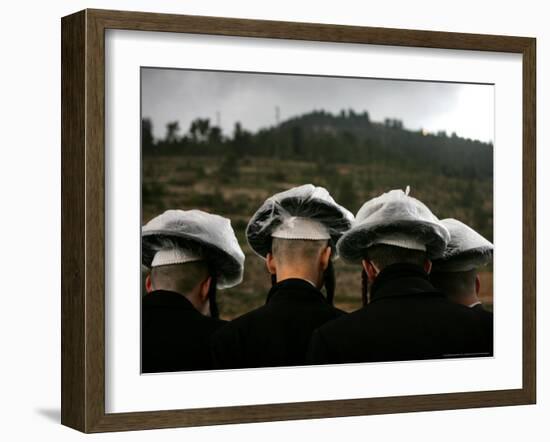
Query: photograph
x,y
268,220
295,220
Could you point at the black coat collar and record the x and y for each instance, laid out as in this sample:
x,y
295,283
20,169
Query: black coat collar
x,y
166,298
294,289
400,280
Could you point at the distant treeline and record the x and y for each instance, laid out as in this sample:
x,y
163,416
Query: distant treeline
x,y
323,137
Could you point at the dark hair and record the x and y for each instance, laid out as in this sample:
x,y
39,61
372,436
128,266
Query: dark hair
x,y
330,282
384,255
214,313
364,287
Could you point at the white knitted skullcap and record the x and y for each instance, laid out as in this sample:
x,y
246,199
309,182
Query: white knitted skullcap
x,y
174,256
295,227
400,240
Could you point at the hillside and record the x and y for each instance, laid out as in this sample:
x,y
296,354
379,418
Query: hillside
x,y
233,175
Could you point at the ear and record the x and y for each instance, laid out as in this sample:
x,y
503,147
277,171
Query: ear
x,y
427,266
478,284
270,263
325,257
204,287
370,269
148,283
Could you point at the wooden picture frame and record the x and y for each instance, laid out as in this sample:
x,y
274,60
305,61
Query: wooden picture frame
x,y
83,220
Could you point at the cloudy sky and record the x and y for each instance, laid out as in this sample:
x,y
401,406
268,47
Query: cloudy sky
x,y
252,99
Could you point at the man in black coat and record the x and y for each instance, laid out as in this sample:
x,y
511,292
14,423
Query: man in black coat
x,y
406,318
294,232
456,273
462,287
189,254
175,333
278,333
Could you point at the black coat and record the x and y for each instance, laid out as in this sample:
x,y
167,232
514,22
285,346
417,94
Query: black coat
x,y
174,335
276,334
486,318
407,319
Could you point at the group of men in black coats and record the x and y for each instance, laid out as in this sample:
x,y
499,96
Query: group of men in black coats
x,y
419,274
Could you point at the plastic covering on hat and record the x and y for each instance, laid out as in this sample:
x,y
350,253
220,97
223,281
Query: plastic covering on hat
x,y
466,250
393,213
306,201
210,236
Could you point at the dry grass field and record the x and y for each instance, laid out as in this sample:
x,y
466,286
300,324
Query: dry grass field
x,y
235,188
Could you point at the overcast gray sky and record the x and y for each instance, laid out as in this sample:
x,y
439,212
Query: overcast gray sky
x,y
227,97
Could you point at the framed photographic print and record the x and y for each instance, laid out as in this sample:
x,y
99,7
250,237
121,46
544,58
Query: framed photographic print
x,y
267,220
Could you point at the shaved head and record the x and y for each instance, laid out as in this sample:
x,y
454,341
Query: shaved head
x,y
383,255
455,284
180,278
299,258
297,250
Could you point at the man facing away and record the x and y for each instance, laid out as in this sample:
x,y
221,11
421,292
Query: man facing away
x,y
394,238
456,273
190,254
295,232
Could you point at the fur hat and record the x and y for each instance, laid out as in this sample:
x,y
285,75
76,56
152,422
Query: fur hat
x,y
304,212
466,250
189,235
394,218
